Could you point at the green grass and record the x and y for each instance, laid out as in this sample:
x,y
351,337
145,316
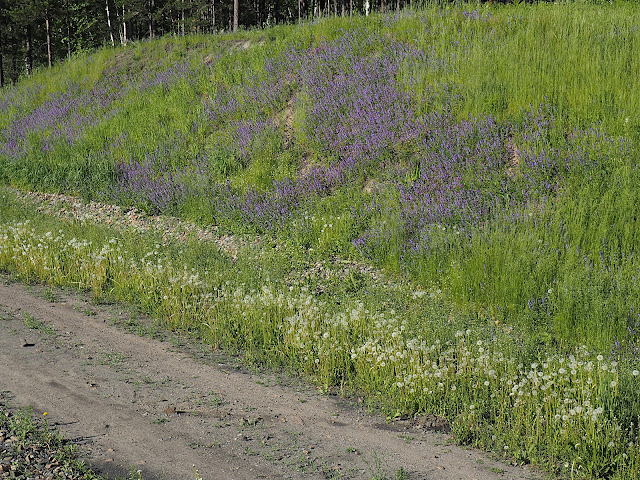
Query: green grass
x,y
577,55
33,432
407,349
34,324
458,329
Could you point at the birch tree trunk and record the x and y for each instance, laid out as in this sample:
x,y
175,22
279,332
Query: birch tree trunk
x,y
68,30
182,16
46,21
1,64
113,43
236,11
29,53
124,24
152,5
213,16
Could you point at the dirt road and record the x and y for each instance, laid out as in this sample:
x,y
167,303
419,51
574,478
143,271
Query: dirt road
x,y
164,408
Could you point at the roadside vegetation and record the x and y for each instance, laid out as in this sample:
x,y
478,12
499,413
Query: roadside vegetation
x,y
30,449
485,158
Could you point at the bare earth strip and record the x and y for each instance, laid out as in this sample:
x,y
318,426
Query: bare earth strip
x,y
138,401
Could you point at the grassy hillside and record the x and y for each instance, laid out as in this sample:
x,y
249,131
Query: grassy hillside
x,y
486,154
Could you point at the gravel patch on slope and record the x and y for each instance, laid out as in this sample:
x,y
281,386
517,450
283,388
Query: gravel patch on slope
x,y
132,220
323,273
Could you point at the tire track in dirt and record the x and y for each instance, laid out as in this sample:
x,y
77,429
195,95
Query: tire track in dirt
x,y
137,401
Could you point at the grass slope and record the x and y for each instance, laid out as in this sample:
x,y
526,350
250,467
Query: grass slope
x,y
487,154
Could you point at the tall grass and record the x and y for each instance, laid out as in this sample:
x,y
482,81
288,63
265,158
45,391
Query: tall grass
x,y
363,119
578,56
574,412
489,152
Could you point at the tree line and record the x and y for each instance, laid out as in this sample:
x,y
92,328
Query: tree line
x,y
36,33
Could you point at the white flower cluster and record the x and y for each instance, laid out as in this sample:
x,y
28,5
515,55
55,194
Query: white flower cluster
x,y
564,398
324,230
49,256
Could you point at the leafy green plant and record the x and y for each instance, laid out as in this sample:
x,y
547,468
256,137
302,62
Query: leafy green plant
x,y
34,432
34,324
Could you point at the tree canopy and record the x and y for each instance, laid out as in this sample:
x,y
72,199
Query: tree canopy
x,y
40,32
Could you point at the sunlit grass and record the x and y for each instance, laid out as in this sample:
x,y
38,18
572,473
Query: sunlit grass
x,y
30,432
487,152
578,407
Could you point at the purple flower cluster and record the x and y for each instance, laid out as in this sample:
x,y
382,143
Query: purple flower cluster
x,y
245,133
453,179
253,98
66,115
144,184
166,77
363,121
357,109
476,15
263,210
468,173
154,182
50,116
358,114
